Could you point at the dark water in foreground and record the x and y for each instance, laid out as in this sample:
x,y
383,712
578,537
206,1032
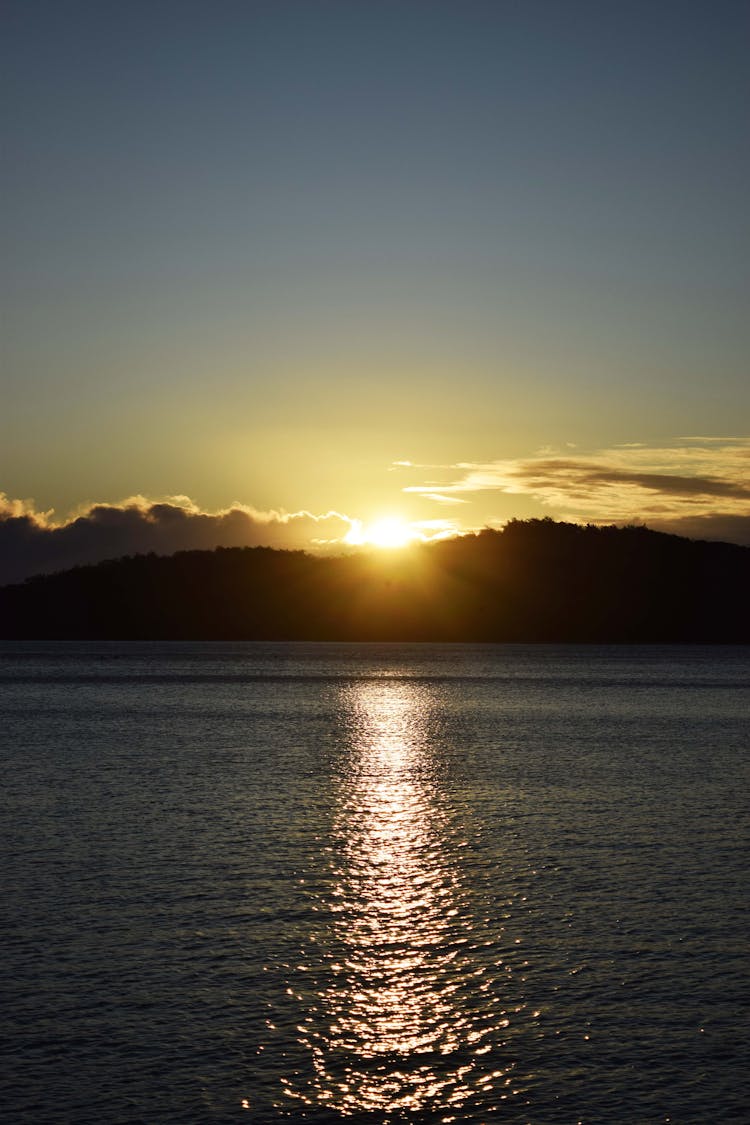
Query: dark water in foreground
x,y
383,883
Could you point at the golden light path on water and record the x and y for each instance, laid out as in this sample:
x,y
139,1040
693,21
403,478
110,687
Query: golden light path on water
x,y
406,1017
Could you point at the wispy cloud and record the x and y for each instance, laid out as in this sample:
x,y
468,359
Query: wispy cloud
x,y
438,497
695,484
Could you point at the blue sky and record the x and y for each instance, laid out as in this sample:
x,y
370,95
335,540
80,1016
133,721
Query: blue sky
x,y
257,252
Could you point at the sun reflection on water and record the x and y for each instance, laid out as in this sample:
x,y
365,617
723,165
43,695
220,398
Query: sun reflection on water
x,y
402,1013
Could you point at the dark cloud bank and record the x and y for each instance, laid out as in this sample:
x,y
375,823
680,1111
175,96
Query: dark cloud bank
x,y
30,545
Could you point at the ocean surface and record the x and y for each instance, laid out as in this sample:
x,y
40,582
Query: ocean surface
x,y
384,883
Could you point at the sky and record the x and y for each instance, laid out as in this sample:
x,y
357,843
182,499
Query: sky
x,y
273,271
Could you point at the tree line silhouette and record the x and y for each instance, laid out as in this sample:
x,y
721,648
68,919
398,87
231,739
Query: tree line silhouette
x,y
534,581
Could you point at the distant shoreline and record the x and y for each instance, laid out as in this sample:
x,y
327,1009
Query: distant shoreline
x,y
534,582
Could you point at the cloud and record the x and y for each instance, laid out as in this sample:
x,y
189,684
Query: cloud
x,y
711,525
429,530
31,543
699,487
438,497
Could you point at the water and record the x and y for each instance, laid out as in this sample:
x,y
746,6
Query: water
x,y
429,883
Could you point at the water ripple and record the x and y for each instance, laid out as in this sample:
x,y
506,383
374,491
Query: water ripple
x,y
402,1005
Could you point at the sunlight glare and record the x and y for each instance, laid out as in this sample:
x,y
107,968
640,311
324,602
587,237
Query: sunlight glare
x,y
389,532
391,1023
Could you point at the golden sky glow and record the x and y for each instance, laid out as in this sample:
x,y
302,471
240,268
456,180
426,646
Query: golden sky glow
x,y
698,487
314,266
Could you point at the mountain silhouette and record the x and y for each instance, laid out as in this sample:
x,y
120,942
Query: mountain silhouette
x,y
534,581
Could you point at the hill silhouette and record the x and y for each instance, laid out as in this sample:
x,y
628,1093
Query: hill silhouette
x,y
534,581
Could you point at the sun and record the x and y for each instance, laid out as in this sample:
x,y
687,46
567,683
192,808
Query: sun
x,y
389,533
